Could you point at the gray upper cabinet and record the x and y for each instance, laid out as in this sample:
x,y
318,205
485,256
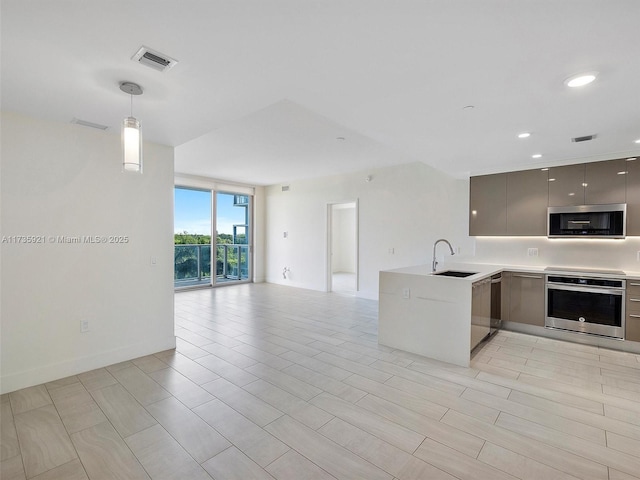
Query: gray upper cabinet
x,y
633,196
527,197
515,203
566,185
587,184
488,205
605,182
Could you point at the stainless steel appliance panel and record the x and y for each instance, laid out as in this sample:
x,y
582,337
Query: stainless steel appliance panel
x,y
586,305
587,221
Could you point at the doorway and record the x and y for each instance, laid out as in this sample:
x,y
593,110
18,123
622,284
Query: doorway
x,y
342,255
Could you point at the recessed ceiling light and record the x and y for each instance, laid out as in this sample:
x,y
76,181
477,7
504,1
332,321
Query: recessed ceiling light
x,y
581,79
637,141
524,135
536,155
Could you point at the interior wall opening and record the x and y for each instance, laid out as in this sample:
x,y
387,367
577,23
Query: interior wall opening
x,y
343,248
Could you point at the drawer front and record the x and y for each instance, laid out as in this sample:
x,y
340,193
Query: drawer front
x,y
632,328
633,288
633,304
633,296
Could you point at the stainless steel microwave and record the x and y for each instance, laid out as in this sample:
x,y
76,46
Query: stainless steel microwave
x,y
588,221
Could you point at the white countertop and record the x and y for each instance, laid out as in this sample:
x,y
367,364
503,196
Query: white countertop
x,y
483,270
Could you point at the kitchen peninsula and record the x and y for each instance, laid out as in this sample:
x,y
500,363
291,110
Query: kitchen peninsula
x,y
427,314
437,316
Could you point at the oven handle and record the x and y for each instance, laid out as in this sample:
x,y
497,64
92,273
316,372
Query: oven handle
x,y
572,288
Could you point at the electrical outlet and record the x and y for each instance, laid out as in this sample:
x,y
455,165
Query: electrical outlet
x,y
406,293
457,250
154,261
392,250
532,252
285,234
84,326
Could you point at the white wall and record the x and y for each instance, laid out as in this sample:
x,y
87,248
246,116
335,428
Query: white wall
x,y
583,253
404,208
66,180
343,228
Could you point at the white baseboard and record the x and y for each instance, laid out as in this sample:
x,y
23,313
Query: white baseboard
x,y
74,366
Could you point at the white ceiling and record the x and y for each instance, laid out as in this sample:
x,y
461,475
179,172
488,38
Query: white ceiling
x,y
263,88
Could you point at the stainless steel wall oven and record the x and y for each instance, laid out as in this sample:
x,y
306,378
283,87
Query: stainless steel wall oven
x,y
586,304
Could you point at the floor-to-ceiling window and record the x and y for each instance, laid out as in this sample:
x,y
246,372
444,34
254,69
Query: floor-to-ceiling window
x,y
207,221
233,251
192,237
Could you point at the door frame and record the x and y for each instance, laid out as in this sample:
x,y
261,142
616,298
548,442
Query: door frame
x,y
329,242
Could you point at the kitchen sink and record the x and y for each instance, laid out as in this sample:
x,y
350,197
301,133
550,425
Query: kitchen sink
x,y
455,273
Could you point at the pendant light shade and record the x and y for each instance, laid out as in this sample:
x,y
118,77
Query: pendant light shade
x,y
131,145
131,134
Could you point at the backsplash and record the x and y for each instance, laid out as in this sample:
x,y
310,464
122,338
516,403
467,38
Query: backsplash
x,y
585,253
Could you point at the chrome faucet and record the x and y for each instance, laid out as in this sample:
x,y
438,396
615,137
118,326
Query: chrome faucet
x,y
434,264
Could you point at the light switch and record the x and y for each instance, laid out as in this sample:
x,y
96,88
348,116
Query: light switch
x,y
406,293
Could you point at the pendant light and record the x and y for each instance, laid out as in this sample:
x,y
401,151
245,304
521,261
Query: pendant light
x,y
131,134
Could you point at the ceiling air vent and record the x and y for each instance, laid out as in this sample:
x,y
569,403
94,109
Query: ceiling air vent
x,y
84,123
285,188
586,138
154,59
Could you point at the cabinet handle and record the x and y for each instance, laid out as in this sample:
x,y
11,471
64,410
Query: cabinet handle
x,y
526,276
634,316
634,299
634,284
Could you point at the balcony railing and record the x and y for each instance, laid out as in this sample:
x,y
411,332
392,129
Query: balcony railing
x,y
192,264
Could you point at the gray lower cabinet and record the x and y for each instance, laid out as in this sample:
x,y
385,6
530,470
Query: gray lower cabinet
x,y
526,298
633,196
480,311
632,322
505,296
488,205
527,198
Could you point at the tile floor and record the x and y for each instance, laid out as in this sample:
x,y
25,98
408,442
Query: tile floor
x,y
274,382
